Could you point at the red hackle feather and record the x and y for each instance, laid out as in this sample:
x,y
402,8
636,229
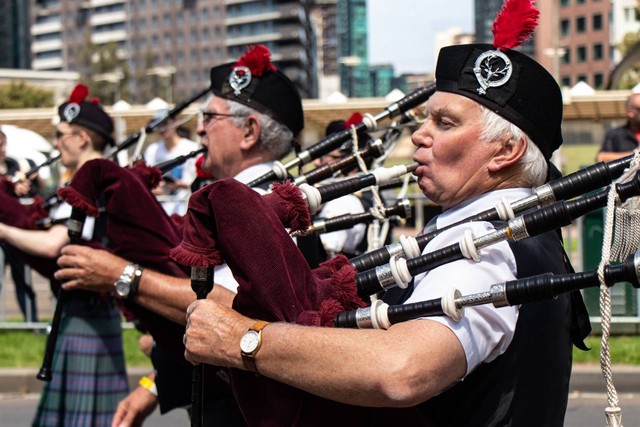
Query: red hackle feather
x,y
514,24
258,59
355,119
79,93
95,100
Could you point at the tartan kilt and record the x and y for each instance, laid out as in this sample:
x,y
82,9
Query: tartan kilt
x,y
88,375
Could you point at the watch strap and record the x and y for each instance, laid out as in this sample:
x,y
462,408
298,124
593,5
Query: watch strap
x,y
135,282
249,359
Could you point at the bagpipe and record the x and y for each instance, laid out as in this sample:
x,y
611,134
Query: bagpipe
x,y
74,230
331,142
514,292
567,187
275,284
401,209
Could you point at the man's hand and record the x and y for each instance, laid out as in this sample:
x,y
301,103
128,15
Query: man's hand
x,y
83,267
213,334
135,408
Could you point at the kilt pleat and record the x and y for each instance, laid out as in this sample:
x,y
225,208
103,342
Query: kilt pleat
x,y
88,376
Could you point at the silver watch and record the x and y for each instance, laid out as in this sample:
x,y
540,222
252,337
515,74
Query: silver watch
x,y
123,284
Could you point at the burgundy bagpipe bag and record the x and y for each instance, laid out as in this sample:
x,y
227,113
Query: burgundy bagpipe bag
x,y
138,229
15,214
227,221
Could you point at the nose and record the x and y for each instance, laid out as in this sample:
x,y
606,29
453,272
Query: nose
x,y
422,137
200,131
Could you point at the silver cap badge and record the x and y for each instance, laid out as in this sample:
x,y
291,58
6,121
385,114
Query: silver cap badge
x,y
239,79
492,69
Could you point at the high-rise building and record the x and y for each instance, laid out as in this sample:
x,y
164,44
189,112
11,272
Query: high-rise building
x,y
353,48
14,34
165,48
285,28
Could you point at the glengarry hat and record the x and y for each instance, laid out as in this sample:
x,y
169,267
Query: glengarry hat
x,y
255,82
88,114
510,83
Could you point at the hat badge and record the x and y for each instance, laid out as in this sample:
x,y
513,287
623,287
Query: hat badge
x,y
239,79
71,111
492,69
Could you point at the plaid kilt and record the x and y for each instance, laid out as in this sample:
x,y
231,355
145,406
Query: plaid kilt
x,y
88,376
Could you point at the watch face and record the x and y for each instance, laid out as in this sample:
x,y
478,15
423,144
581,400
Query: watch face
x,y
249,342
123,288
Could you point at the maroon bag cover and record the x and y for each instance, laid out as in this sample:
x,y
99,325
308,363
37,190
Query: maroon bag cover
x,y
229,221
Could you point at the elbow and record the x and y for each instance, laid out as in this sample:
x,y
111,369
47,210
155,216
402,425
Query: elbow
x,y
50,251
405,384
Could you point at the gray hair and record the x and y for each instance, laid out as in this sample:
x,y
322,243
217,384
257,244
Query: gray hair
x,y
533,164
275,137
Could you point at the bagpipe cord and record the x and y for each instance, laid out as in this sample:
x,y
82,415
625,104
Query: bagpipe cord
x,y
615,247
377,231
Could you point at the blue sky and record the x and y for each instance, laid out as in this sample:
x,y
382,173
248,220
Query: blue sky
x,y
402,32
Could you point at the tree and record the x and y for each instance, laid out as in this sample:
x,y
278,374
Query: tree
x,y
21,95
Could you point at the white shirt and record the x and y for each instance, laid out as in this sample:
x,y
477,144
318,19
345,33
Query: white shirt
x,y
157,153
485,332
222,273
343,240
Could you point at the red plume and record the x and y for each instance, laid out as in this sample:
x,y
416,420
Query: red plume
x,y
514,24
79,93
258,59
95,101
355,119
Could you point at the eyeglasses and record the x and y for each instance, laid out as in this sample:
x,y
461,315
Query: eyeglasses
x,y
208,117
60,135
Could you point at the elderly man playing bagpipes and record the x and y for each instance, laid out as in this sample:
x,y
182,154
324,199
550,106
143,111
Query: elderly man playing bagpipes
x,y
492,126
244,134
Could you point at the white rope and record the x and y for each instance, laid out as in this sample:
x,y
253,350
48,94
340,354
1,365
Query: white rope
x,y
613,249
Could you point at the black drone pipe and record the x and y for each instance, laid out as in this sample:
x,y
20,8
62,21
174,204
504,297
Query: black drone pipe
x,y
133,138
401,209
170,164
334,141
567,187
514,292
371,151
75,225
532,223
28,174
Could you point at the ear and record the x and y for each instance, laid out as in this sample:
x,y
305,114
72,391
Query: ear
x,y
85,140
509,153
250,133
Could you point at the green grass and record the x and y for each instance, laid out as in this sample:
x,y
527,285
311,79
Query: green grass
x,y
24,349
624,350
574,157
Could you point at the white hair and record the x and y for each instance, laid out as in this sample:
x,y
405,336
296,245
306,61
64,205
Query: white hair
x,y
533,164
275,137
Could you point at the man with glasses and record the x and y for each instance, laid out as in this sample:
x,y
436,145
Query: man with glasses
x,y
251,120
88,373
621,141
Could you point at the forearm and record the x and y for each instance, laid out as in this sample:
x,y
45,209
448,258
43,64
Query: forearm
x,y
41,243
170,296
374,368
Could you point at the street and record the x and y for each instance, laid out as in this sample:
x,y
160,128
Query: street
x,y
585,410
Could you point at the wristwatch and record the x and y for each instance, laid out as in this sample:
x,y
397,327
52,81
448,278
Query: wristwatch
x,y
123,284
250,344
